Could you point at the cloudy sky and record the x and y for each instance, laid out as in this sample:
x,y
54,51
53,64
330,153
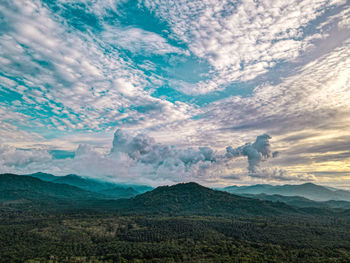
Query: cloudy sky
x,y
149,91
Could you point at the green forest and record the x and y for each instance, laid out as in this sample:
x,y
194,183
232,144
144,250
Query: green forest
x,y
47,222
84,237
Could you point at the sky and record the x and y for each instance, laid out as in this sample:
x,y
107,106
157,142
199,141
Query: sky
x,y
160,92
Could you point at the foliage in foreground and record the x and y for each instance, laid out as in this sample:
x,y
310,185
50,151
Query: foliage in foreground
x,y
113,238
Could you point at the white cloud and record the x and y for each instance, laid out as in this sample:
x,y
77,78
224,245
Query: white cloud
x,y
257,152
70,72
75,81
141,159
12,135
139,41
132,159
319,90
241,40
13,159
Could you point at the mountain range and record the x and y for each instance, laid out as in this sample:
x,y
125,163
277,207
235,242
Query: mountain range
x,y
301,202
77,192
108,189
308,190
192,198
17,187
180,199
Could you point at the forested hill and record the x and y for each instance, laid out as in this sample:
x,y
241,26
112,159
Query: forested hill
x,y
179,223
18,187
192,198
179,199
187,198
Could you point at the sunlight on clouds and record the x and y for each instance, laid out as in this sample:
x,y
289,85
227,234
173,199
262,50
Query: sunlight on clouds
x,y
169,70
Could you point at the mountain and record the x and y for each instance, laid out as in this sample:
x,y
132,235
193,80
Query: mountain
x,y
119,192
15,187
180,199
83,183
194,199
189,198
308,190
100,188
43,176
302,202
114,190
138,188
107,188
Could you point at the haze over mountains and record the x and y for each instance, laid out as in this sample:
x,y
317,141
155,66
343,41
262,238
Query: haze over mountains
x,y
184,198
107,188
302,202
40,219
308,190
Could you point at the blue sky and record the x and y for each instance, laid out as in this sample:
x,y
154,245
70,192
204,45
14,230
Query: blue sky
x,y
181,75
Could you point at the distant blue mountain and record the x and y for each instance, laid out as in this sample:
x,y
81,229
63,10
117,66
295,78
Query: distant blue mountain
x,y
308,190
110,189
27,192
302,202
83,183
43,176
120,192
139,188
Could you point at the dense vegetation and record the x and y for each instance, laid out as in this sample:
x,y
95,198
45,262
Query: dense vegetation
x,y
182,199
50,222
114,238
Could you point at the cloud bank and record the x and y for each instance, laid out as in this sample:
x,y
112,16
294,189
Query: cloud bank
x,y
141,159
145,149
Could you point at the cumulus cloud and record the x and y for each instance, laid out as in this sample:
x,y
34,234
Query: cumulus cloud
x,y
13,159
144,148
311,106
141,159
107,68
257,152
132,159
